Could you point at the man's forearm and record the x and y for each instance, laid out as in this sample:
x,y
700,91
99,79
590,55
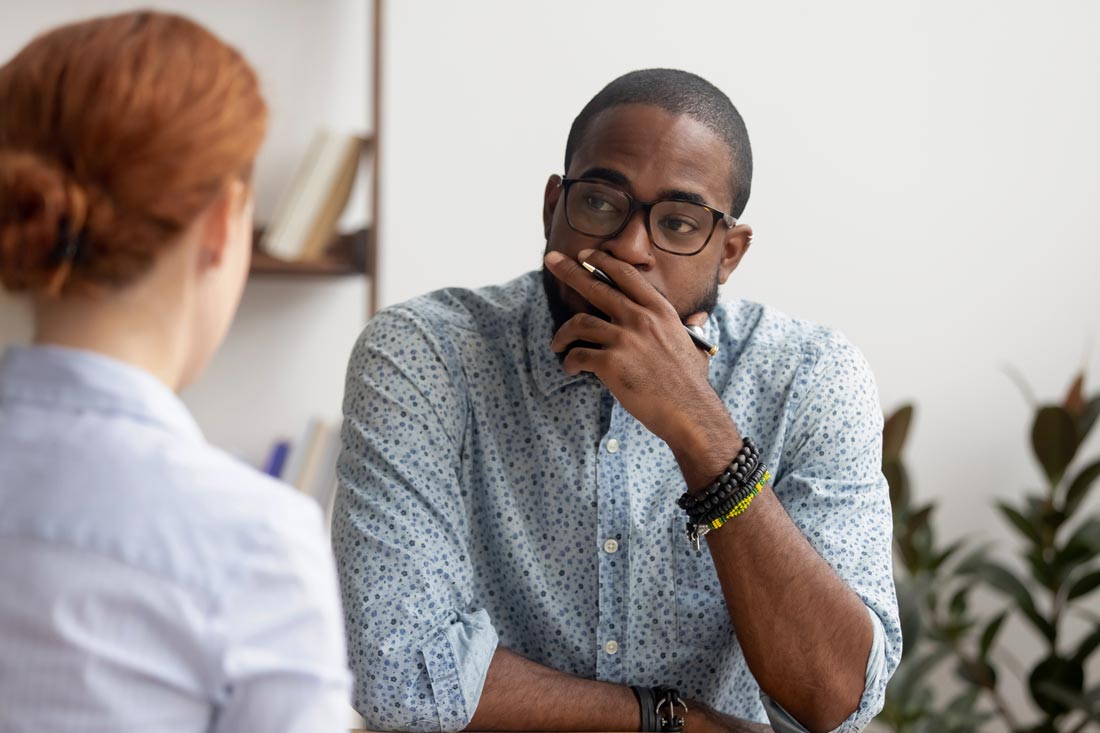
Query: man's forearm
x,y
522,695
805,634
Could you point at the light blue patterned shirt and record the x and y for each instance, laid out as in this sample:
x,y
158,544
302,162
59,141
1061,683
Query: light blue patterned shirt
x,y
487,497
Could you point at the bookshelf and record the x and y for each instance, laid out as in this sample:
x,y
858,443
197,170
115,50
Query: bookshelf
x,y
353,254
349,255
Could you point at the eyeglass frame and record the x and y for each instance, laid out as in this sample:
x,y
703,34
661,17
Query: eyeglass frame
x,y
647,208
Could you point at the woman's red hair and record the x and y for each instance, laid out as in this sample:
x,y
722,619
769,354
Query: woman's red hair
x,y
120,130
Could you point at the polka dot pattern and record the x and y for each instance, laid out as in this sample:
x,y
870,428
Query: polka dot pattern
x,y
480,485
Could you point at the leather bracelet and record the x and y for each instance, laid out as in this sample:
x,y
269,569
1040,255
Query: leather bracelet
x,y
667,701
647,704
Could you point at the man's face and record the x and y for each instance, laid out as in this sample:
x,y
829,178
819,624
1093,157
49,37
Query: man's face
x,y
650,154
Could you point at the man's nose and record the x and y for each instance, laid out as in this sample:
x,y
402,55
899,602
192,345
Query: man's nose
x,y
632,245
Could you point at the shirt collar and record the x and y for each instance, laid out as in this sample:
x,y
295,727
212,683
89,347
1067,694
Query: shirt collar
x,y
74,379
545,364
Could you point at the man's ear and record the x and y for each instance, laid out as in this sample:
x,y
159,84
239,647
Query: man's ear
x,y
217,224
737,243
550,199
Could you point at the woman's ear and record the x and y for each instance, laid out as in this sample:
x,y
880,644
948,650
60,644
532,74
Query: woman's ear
x,y
217,223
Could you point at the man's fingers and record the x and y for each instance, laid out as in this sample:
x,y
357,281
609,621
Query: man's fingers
x,y
606,298
584,327
583,359
627,277
697,319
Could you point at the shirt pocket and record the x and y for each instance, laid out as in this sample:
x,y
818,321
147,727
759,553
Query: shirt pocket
x,y
702,619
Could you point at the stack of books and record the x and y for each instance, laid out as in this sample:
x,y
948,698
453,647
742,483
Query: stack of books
x,y
309,209
309,464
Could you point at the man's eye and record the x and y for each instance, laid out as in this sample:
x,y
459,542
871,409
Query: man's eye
x,y
599,204
679,225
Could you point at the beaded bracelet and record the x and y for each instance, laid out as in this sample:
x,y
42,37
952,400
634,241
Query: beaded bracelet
x,y
738,471
743,492
696,531
712,502
728,496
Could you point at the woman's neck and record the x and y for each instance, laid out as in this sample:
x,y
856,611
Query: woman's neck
x,y
131,326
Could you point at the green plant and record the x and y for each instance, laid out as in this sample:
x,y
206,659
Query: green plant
x,y
1060,551
933,587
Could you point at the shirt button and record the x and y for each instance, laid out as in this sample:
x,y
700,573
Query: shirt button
x,y
611,647
612,446
610,547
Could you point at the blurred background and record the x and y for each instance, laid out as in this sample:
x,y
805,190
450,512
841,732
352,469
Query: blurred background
x,y
927,179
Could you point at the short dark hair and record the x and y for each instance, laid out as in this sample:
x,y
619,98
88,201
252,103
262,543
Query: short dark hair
x,y
680,93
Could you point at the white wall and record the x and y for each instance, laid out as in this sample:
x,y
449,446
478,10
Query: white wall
x,y
284,359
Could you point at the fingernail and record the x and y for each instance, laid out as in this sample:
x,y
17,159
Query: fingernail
x,y
584,254
553,257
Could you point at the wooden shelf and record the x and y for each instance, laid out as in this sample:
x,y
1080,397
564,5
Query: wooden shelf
x,y
348,255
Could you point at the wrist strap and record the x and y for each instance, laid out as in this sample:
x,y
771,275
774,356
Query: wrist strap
x,y
668,700
647,704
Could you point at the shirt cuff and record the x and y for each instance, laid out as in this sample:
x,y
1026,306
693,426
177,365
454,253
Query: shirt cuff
x,y
783,722
457,658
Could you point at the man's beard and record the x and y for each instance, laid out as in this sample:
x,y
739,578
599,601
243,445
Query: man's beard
x,y
560,311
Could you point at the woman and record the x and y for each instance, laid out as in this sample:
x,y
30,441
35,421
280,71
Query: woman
x,y
147,580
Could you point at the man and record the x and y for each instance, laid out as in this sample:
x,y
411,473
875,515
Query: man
x,y
511,549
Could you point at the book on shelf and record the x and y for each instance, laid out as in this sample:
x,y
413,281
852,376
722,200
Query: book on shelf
x,y
309,463
310,206
277,458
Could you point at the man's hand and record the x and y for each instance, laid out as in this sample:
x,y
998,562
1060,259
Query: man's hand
x,y
645,357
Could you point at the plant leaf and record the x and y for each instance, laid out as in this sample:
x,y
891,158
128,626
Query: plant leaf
x,y
1054,439
947,553
1088,418
909,613
969,565
1070,700
1079,488
1075,398
1018,520
1084,585
989,635
919,519
911,674
1087,646
977,672
1085,539
898,480
1055,672
1006,581
894,432
958,603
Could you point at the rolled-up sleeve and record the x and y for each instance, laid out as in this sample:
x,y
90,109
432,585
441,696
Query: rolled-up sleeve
x,y
417,644
831,483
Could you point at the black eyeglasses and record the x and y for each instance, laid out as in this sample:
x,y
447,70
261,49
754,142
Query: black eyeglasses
x,y
597,209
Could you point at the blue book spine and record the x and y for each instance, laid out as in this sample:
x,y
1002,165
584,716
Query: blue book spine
x,y
277,459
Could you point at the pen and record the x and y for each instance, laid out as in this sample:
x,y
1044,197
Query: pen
x,y
702,343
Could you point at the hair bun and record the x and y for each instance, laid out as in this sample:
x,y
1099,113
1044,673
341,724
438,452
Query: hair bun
x,y
38,195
